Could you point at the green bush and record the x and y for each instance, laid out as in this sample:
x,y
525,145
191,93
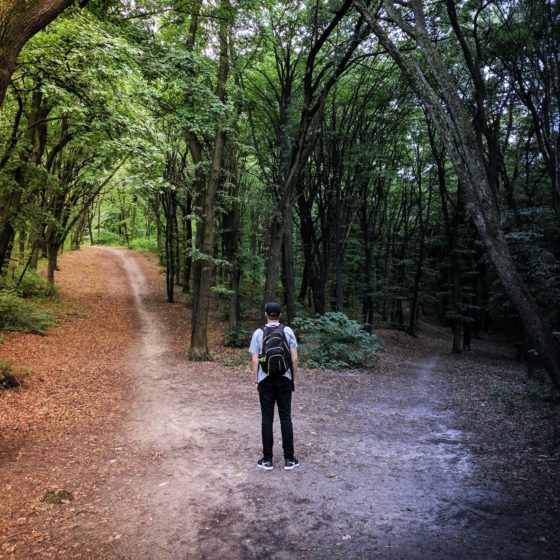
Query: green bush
x,y
104,237
32,284
18,315
144,244
334,341
10,376
238,338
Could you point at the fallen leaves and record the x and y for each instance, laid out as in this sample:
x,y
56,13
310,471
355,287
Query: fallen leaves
x,y
58,427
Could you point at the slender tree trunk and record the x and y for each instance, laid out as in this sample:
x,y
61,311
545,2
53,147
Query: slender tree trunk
x,y
232,242
170,209
339,249
187,229
52,256
288,270
456,303
204,267
36,136
274,259
412,320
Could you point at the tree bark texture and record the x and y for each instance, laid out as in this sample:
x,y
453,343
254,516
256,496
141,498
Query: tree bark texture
x,y
232,240
288,271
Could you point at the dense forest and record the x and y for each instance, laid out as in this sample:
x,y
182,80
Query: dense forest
x,y
386,160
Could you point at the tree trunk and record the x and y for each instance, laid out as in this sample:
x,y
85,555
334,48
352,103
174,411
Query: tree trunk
x,y
19,21
232,241
36,136
274,259
454,124
187,230
204,267
170,207
288,271
412,320
52,256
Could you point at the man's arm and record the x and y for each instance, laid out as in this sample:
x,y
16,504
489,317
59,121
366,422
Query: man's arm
x,y
255,368
294,354
255,364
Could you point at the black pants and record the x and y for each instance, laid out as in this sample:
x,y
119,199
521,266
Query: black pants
x,y
276,390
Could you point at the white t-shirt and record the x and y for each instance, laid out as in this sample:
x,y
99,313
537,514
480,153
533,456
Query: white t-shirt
x,y
257,342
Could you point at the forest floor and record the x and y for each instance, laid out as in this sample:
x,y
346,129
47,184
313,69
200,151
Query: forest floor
x,y
431,455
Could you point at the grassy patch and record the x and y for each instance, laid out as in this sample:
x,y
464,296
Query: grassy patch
x,y
10,376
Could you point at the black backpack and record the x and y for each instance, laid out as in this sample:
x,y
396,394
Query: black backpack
x,y
276,357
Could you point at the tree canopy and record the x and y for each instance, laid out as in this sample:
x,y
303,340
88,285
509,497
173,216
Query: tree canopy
x,y
386,160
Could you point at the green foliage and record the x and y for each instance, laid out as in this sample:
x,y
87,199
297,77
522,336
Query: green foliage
x,y
18,315
32,284
240,360
238,338
11,376
334,341
145,244
104,237
221,291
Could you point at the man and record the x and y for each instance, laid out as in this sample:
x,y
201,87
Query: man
x,y
275,389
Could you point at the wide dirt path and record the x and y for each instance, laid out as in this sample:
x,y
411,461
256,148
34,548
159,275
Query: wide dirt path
x,y
394,463
384,471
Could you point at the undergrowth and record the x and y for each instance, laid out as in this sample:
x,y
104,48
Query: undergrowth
x,y
10,376
238,338
531,392
334,341
19,315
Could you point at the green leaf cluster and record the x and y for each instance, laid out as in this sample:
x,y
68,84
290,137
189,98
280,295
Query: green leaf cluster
x,y
334,341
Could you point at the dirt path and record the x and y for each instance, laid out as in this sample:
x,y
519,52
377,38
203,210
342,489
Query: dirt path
x,y
385,472
395,464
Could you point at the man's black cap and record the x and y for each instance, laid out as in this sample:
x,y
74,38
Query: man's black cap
x,y
273,309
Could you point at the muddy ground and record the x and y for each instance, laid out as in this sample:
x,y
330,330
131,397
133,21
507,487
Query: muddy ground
x,y
429,456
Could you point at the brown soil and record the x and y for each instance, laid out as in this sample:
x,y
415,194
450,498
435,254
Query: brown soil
x,y
157,455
